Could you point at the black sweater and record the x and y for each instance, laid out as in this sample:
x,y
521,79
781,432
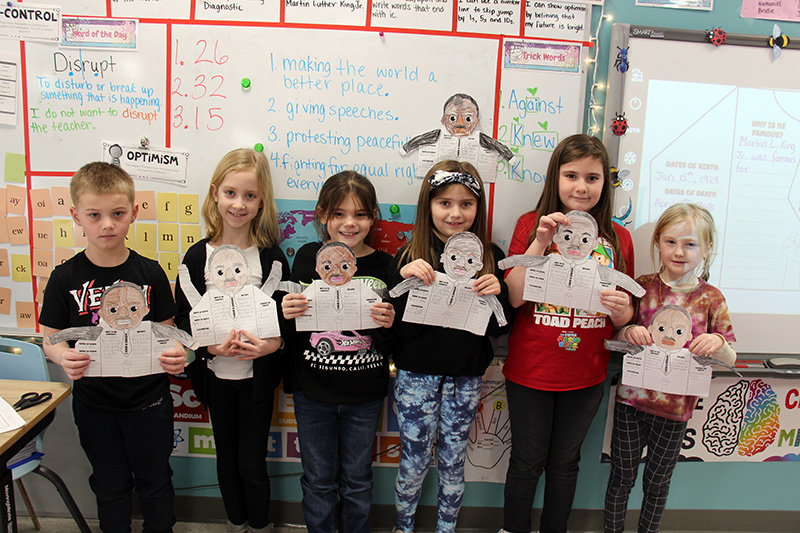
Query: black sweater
x,y
343,367
443,351
267,370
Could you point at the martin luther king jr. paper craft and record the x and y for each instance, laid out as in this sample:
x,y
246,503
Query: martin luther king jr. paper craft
x,y
231,303
665,365
571,278
336,302
458,139
123,344
450,301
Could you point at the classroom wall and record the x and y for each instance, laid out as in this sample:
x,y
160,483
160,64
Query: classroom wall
x,y
731,489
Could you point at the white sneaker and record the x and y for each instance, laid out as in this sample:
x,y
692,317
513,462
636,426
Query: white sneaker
x,y
233,528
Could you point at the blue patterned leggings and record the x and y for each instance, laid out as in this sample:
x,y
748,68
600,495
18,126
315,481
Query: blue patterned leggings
x,y
427,404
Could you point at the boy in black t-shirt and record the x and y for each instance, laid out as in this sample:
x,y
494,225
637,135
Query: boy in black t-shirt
x,y
125,424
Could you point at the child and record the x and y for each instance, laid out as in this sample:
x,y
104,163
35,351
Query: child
x,y
236,379
684,238
440,370
556,362
125,424
340,385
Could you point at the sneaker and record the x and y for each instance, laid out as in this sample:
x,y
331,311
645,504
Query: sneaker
x,y
266,529
233,528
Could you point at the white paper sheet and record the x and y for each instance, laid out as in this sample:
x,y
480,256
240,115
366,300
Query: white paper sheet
x,y
9,418
559,282
337,308
448,304
674,372
218,313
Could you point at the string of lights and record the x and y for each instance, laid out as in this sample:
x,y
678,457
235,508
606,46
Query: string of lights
x,y
594,106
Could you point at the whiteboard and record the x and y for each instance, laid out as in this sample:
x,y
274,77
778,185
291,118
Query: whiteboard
x,y
721,130
537,110
320,101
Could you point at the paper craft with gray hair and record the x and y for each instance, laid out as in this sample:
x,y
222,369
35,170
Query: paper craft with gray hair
x,y
123,344
231,302
450,300
458,139
569,278
336,302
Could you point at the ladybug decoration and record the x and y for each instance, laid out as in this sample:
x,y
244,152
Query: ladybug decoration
x,y
619,125
716,36
622,63
777,41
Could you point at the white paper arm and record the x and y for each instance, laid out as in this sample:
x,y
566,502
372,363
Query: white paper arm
x,y
405,286
522,260
166,331
622,346
83,333
290,287
497,308
188,288
273,280
706,360
621,280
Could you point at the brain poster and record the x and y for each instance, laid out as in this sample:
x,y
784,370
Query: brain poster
x,y
754,419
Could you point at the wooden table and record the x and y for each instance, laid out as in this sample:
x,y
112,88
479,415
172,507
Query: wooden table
x,y
36,419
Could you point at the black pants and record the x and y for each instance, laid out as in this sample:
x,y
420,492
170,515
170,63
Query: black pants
x,y
547,432
241,437
129,451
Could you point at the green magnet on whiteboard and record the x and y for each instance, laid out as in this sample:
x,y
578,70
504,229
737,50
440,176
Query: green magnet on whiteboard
x,y
245,83
394,209
258,147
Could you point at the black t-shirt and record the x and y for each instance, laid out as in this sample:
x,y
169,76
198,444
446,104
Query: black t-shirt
x,y
344,367
72,299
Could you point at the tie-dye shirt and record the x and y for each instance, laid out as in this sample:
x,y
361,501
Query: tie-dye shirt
x,y
709,313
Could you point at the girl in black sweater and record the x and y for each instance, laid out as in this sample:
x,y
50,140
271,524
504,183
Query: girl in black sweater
x,y
340,378
236,379
439,370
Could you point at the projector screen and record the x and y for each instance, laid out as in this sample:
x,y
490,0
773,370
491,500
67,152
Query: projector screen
x,y
720,127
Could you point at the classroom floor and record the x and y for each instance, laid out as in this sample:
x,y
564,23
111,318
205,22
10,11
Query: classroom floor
x,y
66,525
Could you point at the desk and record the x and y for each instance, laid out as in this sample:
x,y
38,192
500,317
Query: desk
x,y
36,419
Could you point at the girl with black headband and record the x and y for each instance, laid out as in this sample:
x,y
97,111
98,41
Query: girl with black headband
x,y
439,370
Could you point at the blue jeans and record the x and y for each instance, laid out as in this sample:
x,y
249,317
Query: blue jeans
x,y
427,404
129,451
547,431
336,442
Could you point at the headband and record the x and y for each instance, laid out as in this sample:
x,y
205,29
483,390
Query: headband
x,y
443,177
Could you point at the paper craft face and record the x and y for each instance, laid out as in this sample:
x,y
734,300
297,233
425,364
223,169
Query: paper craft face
x,y
463,256
336,264
460,117
671,329
123,307
576,241
228,268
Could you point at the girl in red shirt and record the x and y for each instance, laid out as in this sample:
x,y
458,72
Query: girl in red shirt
x,y
556,361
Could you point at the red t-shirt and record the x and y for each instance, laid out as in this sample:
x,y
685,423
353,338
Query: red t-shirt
x,y
560,348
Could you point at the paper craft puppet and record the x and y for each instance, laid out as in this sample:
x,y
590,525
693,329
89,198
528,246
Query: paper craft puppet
x,y
232,303
450,301
336,302
665,365
458,139
123,344
571,278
